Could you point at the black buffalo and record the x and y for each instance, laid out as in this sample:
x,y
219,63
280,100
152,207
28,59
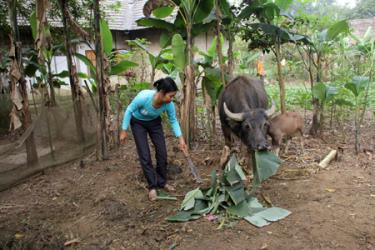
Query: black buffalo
x,y
243,111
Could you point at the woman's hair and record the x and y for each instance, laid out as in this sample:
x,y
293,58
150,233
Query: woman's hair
x,y
166,85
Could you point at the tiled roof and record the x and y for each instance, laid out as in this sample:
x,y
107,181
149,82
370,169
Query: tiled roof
x,y
125,17
120,14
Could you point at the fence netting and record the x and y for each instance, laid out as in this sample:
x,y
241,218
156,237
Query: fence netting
x,y
55,136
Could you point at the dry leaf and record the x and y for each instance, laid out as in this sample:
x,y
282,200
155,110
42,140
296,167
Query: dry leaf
x,y
15,122
331,190
17,99
69,242
264,246
18,236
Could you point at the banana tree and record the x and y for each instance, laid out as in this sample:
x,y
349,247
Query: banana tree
x,y
189,22
230,26
43,45
357,87
365,47
158,59
320,46
19,94
212,78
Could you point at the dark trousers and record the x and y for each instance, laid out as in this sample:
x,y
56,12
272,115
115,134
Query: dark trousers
x,y
156,178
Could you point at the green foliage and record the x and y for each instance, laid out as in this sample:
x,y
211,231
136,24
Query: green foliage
x,y
358,85
265,164
178,50
128,92
106,36
156,23
87,62
283,4
341,27
163,12
212,84
189,200
227,195
165,40
191,13
33,24
121,67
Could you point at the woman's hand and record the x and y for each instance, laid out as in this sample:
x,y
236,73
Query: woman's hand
x,y
123,136
182,145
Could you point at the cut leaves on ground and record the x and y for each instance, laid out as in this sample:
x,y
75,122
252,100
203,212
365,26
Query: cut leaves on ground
x,y
227,195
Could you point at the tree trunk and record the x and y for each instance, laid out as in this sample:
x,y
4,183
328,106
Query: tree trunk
x,y
118,116
16,75
152,76
73,79
102,128
357,126
43,44
208,121
280,78
50,83
187,107
367,91
315,126
219,49
230,56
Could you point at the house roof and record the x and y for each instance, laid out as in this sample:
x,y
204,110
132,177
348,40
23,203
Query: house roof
x,y
120,14
125,16
360,26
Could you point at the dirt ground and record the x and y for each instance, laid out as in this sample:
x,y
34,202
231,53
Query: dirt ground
x,y
103,205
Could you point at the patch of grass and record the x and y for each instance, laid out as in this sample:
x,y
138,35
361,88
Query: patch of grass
x,y
298,96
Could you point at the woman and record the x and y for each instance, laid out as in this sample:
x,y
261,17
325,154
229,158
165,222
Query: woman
x,y
143,115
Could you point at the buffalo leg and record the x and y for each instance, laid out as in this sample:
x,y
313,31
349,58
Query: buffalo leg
x,y
276,141
227,136
228,145
302,143
287,145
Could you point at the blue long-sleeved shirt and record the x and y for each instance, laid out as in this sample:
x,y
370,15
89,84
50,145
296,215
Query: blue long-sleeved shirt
x,y
141,108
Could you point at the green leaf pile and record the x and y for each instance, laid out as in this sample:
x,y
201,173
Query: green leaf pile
x,y
227,194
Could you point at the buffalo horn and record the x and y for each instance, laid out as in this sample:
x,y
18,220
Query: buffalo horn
x,y
271,110
239,117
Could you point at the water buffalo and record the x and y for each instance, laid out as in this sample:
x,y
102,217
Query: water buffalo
x,y
243,111
286,125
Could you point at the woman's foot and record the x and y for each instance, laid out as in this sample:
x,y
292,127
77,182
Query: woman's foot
x,y
169,188
152,195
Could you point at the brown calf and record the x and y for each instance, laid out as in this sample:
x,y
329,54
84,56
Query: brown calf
x,y
285,125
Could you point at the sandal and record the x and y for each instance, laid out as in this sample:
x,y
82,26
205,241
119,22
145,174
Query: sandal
x,y
169,188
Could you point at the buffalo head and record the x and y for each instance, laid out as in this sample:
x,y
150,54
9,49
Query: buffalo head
x,y
252,126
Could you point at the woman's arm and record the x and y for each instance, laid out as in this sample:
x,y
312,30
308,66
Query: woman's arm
x,y
171,112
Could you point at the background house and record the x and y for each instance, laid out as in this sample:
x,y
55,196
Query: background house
x,y
360,26
122,23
